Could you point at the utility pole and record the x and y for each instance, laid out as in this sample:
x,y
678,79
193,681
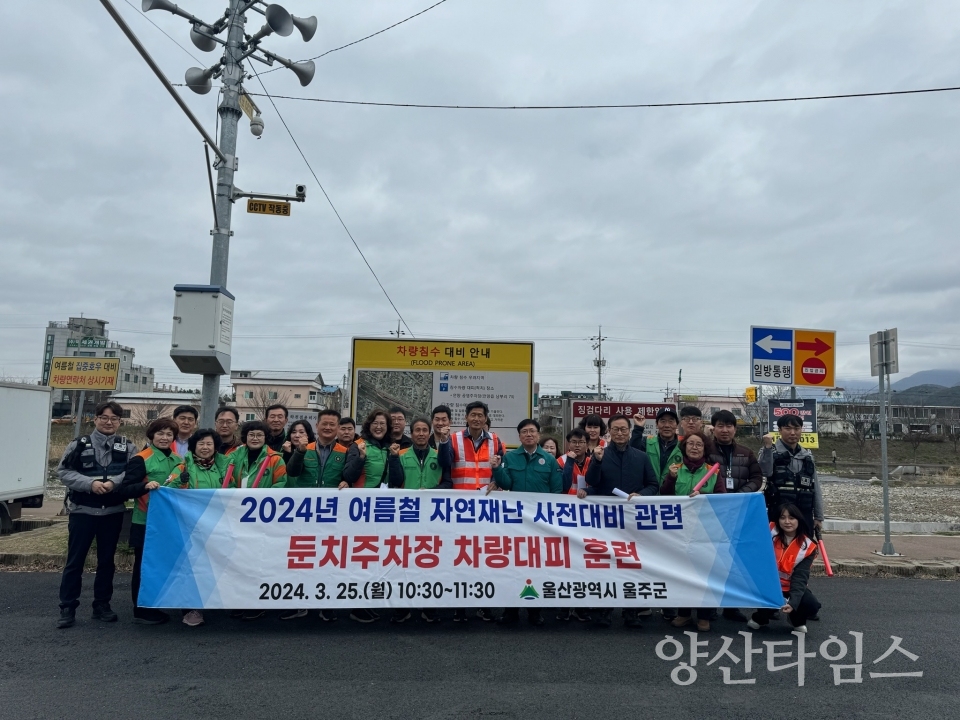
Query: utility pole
x,y
229,112
398,331
599,362
884,359
237,47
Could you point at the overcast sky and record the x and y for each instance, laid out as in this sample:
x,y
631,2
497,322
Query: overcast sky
x,y
675,228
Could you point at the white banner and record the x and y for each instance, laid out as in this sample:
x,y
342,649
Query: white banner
x,y
376,548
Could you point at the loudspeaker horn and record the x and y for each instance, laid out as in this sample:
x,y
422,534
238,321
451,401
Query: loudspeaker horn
x,y
148,5
279,21
202,42
304,71
198,79
306,26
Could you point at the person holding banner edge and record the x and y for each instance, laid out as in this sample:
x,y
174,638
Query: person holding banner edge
x,y
624,468
662,448
145,472
203,468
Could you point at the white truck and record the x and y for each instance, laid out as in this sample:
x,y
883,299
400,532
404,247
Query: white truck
x,y
24,446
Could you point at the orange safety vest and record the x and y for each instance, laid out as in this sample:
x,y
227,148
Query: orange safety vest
x,y
789,557
471,468
577,472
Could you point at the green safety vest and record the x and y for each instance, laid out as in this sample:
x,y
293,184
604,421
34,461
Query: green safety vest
x,y
200,478
159,467
686,480
653,452
374,467
310,476
417,476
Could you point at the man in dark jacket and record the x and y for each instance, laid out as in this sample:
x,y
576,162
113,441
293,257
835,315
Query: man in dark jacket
x,y
739,469
622,467
92,469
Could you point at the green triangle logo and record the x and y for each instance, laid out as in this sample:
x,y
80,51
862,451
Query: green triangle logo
x,y
529,592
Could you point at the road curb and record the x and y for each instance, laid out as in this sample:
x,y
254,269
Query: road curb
x,y
876,526
124,562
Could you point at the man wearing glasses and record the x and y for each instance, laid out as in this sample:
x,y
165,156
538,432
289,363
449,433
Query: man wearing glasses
x,y
227,421
92,469
622,467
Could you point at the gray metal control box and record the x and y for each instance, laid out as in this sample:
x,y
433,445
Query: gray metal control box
x,y
202,329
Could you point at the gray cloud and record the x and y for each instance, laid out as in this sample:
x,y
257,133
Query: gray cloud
x,y
681,225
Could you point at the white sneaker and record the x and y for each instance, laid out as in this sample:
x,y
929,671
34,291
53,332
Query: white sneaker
x,y
753,625
800,629
194,618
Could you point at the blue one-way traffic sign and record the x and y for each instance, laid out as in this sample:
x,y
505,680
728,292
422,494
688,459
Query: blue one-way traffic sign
x,y
771,356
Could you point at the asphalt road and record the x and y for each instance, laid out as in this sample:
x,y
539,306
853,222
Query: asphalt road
x,y
309,669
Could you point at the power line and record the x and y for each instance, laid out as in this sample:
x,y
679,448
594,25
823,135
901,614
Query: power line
x,y
332,206
378,32
624,106
165,32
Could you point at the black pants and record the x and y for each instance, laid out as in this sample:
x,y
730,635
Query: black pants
x,y
806,608
698,613
137,535
82,531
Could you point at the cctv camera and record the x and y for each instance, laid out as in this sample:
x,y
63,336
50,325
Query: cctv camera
x,y
256,125
301,191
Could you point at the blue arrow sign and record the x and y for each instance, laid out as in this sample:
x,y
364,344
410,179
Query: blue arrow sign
x,y
771,343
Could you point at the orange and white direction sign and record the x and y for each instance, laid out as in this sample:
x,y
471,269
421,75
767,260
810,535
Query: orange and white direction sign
x,y
815,357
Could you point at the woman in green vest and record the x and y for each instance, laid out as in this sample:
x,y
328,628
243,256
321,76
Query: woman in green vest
x,y
681,479
373,446
146,471
254,463
202,469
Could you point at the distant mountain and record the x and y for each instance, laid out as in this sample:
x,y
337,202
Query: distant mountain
x,y
943,378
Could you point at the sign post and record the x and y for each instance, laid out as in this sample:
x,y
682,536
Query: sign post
x,y
883,361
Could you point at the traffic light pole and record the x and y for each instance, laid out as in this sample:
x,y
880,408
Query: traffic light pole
x,y
229,111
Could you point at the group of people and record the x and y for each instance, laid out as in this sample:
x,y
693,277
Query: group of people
x,y
104,470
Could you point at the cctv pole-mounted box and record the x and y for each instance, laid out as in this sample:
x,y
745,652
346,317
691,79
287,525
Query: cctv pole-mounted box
x,y
202,329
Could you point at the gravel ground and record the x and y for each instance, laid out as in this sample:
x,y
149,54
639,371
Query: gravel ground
x,y
861,501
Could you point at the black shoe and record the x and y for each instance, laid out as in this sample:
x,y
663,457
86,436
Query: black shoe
x,y
669,614
631,620
814,618
430,616
254,614
580,614
565,615
486,615
400,616
362,616
511,616
376,615
535,618
713,615
460,616
103,613
603,619
236,614
293,614
149,616
328,615
68,617
734,614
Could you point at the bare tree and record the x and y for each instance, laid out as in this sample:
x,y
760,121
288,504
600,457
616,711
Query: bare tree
x,y
954,439
264,397
144,414
915,437
857,415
